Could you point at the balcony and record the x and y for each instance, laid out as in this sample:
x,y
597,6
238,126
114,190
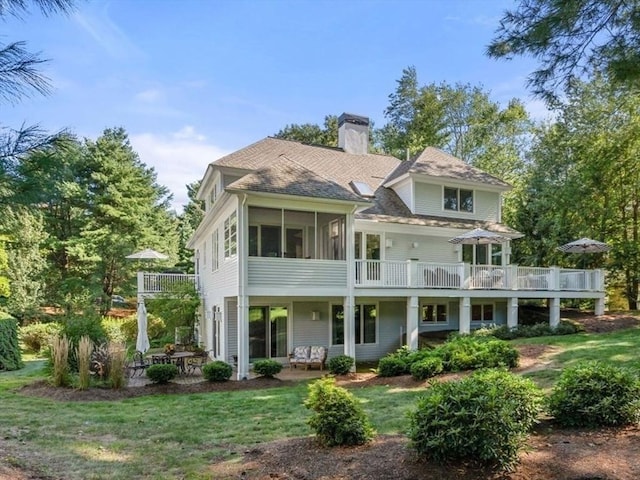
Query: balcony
x,y
150,284
461,276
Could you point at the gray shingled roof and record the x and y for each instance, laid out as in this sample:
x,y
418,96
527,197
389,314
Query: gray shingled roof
x,y
436,163
333,164
288,177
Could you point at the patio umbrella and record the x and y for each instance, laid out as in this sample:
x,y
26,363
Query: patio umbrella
x,y
142,342
148,254
479,236
584,245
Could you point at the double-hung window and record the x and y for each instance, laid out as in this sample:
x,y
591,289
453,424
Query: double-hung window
x,y
230,236
215,250
458,200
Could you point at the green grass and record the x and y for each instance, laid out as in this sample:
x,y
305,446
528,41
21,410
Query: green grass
x,y
182,436
620,348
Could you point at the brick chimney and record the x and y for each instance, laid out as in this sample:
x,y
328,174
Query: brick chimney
x,y
353,133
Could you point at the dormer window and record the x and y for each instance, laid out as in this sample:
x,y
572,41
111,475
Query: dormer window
x,y
458,200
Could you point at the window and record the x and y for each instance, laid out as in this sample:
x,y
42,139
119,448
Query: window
x,y
482,254
215,251
434,313
204,256
365,324
214,193
482,312
458,200
230,236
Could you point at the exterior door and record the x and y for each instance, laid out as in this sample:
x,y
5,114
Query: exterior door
x,y
267,332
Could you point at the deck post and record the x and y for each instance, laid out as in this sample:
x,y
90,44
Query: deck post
x,y
413,305
512,313
465,315
599,310
349,327
554,312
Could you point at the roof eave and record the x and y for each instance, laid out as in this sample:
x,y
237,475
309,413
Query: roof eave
x,y
363,203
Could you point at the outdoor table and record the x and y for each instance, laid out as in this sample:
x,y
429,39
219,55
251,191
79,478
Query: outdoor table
x,y
179,359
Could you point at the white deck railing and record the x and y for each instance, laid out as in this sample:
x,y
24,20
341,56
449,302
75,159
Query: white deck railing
x,y
414,274
153,283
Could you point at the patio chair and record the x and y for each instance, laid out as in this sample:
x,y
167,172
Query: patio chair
x,y
300,356
138,364
196,363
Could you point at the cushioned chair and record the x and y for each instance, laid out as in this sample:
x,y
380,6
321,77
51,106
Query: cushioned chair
x,y
299,356
195,363
317,356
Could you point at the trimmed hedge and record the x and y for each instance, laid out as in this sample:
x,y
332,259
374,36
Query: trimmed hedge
x,y
427,368
484,418
162,372
267,368
217,371
10,355
338,417
593,394
340,364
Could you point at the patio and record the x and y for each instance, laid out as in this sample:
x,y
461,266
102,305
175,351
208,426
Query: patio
x,y
290,374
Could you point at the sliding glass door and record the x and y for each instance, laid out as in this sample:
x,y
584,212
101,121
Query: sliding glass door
x,y
267,332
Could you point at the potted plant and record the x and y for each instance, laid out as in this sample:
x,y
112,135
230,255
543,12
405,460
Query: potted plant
x,y
169,348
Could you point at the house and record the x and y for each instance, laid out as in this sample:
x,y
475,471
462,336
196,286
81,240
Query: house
x,y
312,245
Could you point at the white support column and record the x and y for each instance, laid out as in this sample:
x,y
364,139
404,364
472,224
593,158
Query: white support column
x,y
349,327
599,310
243,338
512,312
242,235
413,306
349,299
554,312
465,315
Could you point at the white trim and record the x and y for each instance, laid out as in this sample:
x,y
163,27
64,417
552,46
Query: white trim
x,y
458,211
376,305
435,304
482,305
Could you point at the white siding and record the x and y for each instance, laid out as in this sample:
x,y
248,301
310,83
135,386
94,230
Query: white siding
x,y
429,248
487,206
292,272
428,199
231,316
306,331
403,190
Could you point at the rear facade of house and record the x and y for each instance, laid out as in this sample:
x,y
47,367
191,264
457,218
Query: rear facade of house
x,y
311,245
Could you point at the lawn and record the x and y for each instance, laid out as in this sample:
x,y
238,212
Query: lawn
x,y
181,436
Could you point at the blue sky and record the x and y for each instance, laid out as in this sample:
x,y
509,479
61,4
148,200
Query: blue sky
x,y
191,80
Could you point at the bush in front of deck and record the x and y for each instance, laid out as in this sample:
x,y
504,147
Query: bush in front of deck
x,y
267,368
340,364
483,418
338,417
162,372
217,371
595,394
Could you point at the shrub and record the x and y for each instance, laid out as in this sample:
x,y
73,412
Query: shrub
x,y
426,368
594,394
392,366
113,329
567,327
468,352
156,328
484,417
75,328
162,372
338,417
37,336
217,371
267,368
10,355
341,364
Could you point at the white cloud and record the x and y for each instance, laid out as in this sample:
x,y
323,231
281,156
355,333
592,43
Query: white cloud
x,y
152,95
99,25
179,158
